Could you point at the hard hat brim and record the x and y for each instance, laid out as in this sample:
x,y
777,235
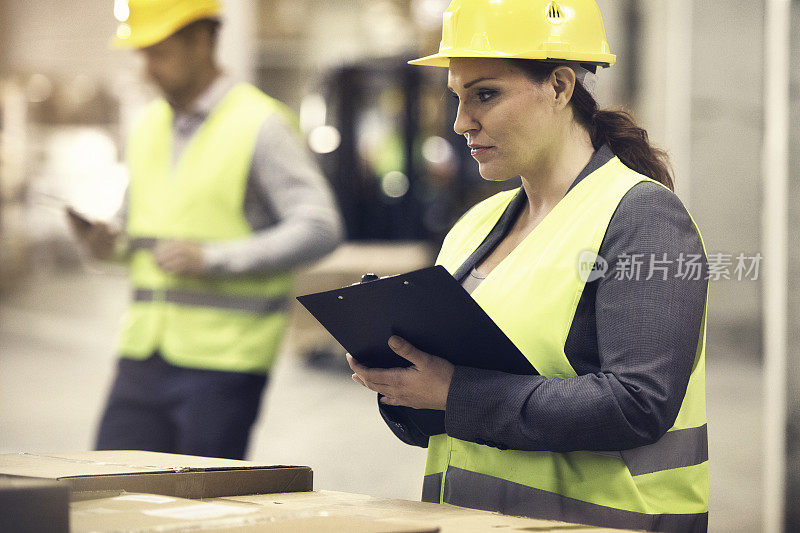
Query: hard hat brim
x,y
142,39
442,59
138,42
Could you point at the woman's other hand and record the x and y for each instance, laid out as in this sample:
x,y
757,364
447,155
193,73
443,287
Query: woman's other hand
x,y
423,385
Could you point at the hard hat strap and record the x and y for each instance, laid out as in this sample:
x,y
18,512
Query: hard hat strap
x,y
587,78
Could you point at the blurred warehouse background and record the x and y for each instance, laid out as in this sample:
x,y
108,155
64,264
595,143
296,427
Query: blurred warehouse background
x,y
692,72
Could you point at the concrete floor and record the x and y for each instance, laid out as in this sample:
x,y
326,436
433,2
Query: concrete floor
x,y
57,337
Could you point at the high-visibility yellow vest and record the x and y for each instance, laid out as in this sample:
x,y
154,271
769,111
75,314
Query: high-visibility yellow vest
x,y
229,323
532,295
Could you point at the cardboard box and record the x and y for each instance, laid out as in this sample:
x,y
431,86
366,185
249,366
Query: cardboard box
x,y
182,476
323,511
147,512
446,518
146,491
33,505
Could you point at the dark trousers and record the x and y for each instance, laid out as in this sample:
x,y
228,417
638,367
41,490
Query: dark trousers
x,y
155,406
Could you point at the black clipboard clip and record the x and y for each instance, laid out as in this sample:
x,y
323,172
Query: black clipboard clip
x,y
428,308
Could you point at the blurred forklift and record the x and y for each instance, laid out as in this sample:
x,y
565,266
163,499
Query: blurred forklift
x,y
382,132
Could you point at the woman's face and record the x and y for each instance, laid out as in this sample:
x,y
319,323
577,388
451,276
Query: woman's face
x,y
506,118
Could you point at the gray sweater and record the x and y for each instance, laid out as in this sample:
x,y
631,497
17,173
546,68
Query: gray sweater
x,y
287,203
632,344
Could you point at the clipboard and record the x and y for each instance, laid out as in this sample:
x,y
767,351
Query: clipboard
x,y
428,308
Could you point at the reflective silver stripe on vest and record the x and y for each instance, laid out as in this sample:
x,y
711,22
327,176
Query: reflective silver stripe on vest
x,y
260,306
480,491
142,243
676,449
432,488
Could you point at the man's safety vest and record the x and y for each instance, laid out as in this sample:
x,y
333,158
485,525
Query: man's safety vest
x,y
229,323
533,295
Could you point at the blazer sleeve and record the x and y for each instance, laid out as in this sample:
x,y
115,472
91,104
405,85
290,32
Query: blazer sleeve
x,y
412,426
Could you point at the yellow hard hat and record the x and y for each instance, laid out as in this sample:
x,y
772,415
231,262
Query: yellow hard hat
x,y
151,21
566,30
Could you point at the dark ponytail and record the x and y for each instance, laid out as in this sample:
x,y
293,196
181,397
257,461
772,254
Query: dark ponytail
x,y
615,127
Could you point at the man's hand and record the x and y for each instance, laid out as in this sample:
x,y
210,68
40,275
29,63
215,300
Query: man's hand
x,y
421,386
180,257
97,237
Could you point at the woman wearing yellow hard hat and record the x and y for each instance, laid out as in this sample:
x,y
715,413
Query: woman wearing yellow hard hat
x,y
593,268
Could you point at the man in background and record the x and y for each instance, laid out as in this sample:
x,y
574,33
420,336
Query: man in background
x,y
224,201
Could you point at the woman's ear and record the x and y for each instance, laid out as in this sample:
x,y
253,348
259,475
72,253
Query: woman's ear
x,y
563,82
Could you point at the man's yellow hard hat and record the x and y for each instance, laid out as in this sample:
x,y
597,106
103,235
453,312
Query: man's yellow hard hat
x,y
566,30
151,21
